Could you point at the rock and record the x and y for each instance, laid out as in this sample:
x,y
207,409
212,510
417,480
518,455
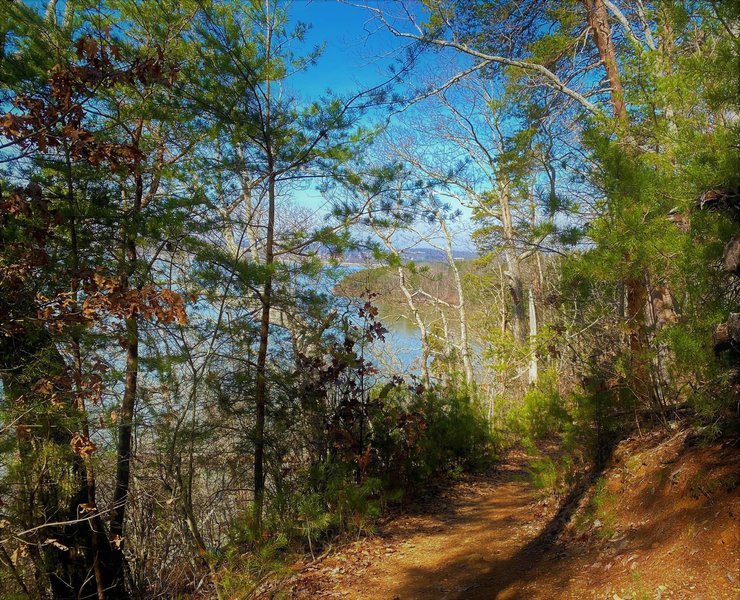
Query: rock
x,y
727,335
731,256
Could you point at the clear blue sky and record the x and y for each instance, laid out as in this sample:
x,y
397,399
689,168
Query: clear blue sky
x,y
354,46
355,56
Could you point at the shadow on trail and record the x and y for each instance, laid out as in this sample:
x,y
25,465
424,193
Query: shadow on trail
x,y
530,562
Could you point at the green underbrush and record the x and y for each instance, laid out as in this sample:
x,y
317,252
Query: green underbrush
x,y
412,438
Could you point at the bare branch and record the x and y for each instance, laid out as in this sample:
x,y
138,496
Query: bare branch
x,y
485,59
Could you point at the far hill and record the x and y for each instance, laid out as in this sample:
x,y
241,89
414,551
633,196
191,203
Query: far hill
x,y
421,255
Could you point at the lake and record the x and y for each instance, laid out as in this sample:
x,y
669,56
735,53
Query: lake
x,y
401,350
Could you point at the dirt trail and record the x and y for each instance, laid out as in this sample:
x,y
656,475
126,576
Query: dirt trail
x,y
490,537
477,539
471,551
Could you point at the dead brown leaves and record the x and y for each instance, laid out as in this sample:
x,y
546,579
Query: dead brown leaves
x,y
82,446
56,119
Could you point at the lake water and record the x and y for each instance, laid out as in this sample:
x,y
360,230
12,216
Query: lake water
x,y
400,352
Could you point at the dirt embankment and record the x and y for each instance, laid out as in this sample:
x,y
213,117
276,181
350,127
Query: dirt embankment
x,y
662,521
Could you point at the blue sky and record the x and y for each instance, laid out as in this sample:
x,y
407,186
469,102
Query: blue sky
x,y
358,53
352,57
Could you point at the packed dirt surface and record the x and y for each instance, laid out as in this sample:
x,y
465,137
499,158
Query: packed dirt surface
x,y
661,522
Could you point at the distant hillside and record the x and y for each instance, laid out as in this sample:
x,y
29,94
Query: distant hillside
x,y
427,255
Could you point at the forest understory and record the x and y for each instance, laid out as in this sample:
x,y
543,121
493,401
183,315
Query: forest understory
x,y
643,528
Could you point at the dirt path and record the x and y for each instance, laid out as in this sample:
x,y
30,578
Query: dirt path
x,y
489,537
476,540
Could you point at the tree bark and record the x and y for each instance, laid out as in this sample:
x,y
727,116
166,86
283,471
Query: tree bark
x,y
99,550
425,353
598,20
419,323
128,403
513,272
731,256
260,398
727,335
464,343
68,572
639,378
532,339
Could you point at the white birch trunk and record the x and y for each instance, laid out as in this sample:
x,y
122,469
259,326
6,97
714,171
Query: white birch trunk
x,y
532,339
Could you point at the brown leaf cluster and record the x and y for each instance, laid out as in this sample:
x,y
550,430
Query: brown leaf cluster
x,y
81,445
110,295
57,118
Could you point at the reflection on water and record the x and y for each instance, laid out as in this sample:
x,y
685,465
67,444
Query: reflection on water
x,y
400,352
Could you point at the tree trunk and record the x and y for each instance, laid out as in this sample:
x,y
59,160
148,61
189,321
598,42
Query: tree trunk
x,y
425,353
128,404
598,21
68,572
260,395
420,324
666,60
727,335
513,272
250,214
731,256
639,379
464,343
123,467
264,338
99,550
532,339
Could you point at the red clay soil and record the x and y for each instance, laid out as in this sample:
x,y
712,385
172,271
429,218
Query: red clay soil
x,y
663,522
